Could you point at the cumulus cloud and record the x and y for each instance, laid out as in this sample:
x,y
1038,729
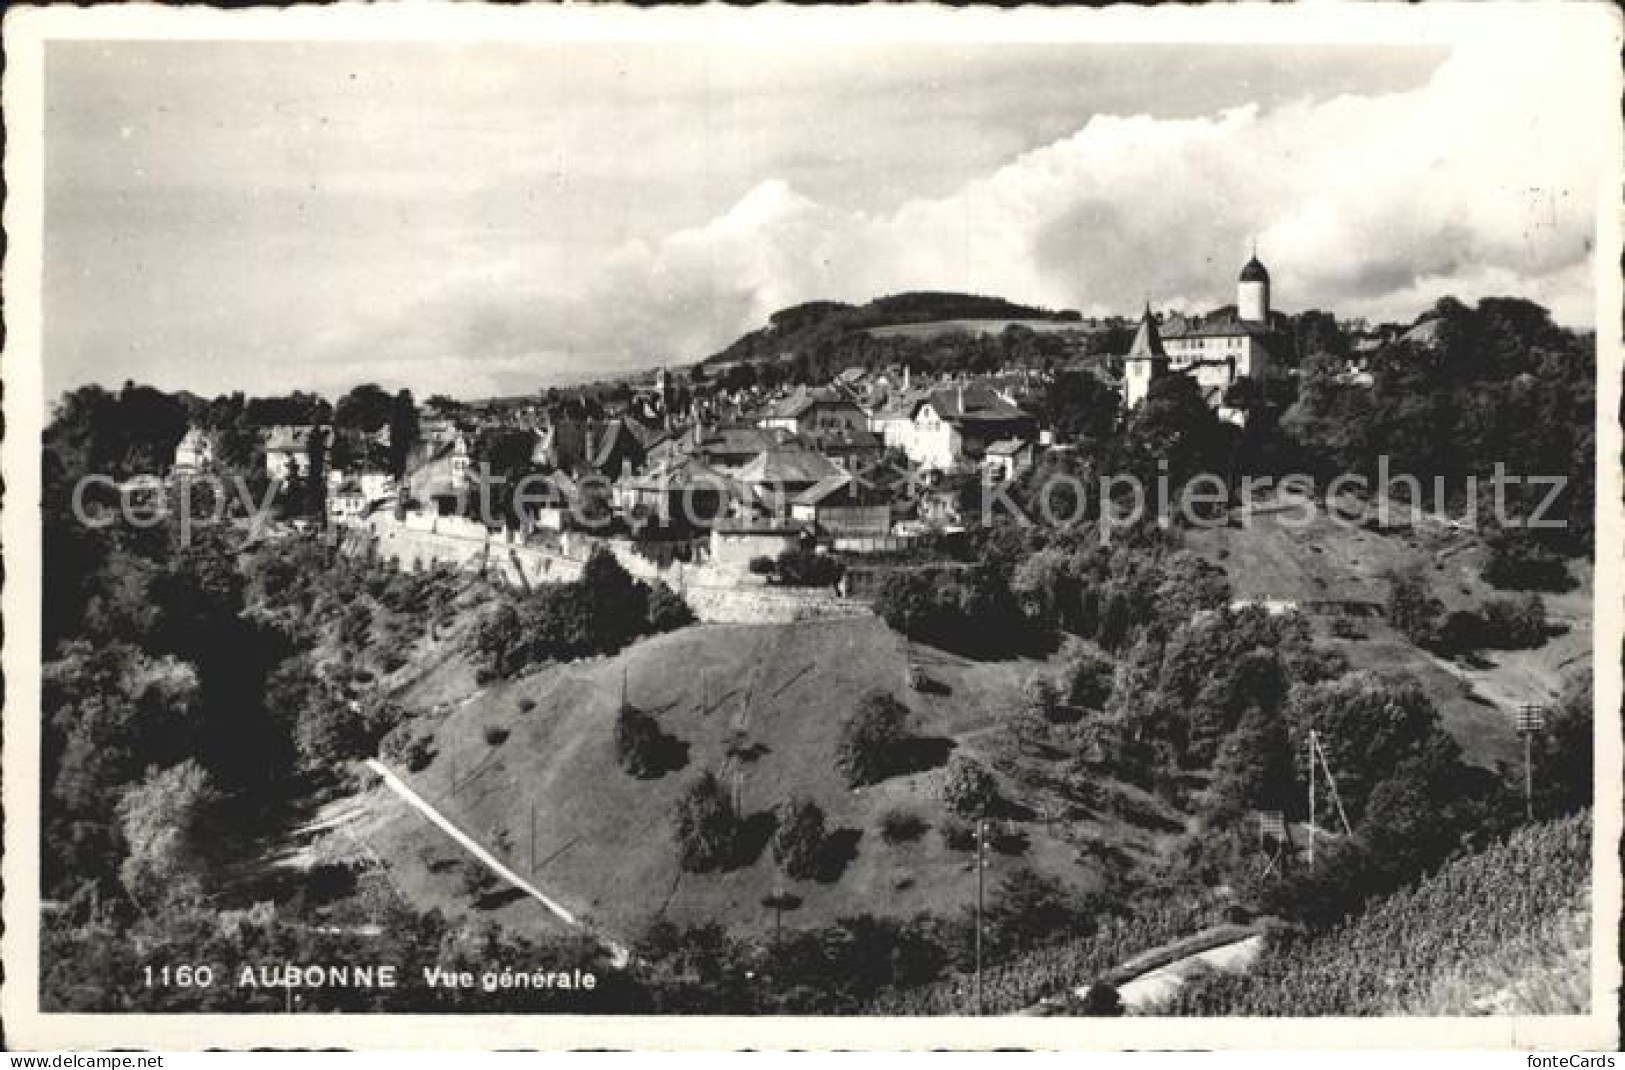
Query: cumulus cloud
x,y
1481,181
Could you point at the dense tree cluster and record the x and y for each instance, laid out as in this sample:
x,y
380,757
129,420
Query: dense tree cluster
x,y
597,614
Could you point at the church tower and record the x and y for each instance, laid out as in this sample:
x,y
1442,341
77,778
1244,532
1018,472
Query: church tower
x,y
1146,360
1253,292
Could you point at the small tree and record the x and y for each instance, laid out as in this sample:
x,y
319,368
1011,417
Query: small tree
x,y
798,839
707,826
638,742
968,789
867,750
162,819
1412,609
667,609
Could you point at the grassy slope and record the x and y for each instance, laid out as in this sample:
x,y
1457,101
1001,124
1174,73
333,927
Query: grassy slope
x,y
604,838
1326,561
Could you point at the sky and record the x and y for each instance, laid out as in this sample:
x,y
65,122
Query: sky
x,y
479,219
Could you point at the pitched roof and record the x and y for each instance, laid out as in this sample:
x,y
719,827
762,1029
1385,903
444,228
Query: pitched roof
x,y
974,401
1147,340
803,399
1222,326
1007,446
842,441
823,489
738,441
787,465
289,439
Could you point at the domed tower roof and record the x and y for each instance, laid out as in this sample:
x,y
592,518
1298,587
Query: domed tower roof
x,y
1254,271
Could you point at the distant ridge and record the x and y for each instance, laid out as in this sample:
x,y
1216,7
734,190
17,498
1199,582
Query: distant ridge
x,y
801,327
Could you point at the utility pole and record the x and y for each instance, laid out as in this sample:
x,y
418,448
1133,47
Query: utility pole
x,y
1531,719
1528,777
533,837
1311,799
981,838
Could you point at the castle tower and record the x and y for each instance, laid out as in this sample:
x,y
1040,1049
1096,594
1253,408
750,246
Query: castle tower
x,y
1253,292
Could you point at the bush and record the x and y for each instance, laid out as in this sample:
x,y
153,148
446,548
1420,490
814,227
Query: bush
x,y
1413,611
798,838
405,745
1101,1000
870,740
901,826
707,825
807,568
640,746
1514,623
495,735
958,835
667,609
968,789
1517,562
526,705
1345,628
1086,678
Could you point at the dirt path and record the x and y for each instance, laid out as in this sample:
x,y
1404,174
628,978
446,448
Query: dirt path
x,y
490,861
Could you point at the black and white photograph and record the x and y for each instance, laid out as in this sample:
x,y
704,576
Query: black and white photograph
x,y
1051,529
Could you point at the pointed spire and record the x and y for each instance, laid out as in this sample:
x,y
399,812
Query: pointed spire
x,y
1147,341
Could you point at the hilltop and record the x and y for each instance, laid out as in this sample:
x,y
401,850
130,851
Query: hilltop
x,y
804,328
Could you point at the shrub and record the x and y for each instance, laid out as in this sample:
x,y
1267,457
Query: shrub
x,y
1086,678
707,826
1345,628
1101,1000
901,826
405,745
871,738
1514,623
798,838
968,789
526,705
1516,561
958,835
1412,609
475,879
639,742
495,735
667,609
807,568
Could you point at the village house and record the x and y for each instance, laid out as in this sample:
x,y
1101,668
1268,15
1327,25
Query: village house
x,y
685,492
841,505
288,450
776,476
819,409
1008,458
956,424
194,453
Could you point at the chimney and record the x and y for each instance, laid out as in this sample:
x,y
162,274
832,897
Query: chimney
x,y
905,377
960,397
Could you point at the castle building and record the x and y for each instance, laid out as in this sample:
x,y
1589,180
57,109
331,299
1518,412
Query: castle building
x,y
1216,349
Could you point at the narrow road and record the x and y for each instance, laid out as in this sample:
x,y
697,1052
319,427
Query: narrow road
x,y
491,862
1157,986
